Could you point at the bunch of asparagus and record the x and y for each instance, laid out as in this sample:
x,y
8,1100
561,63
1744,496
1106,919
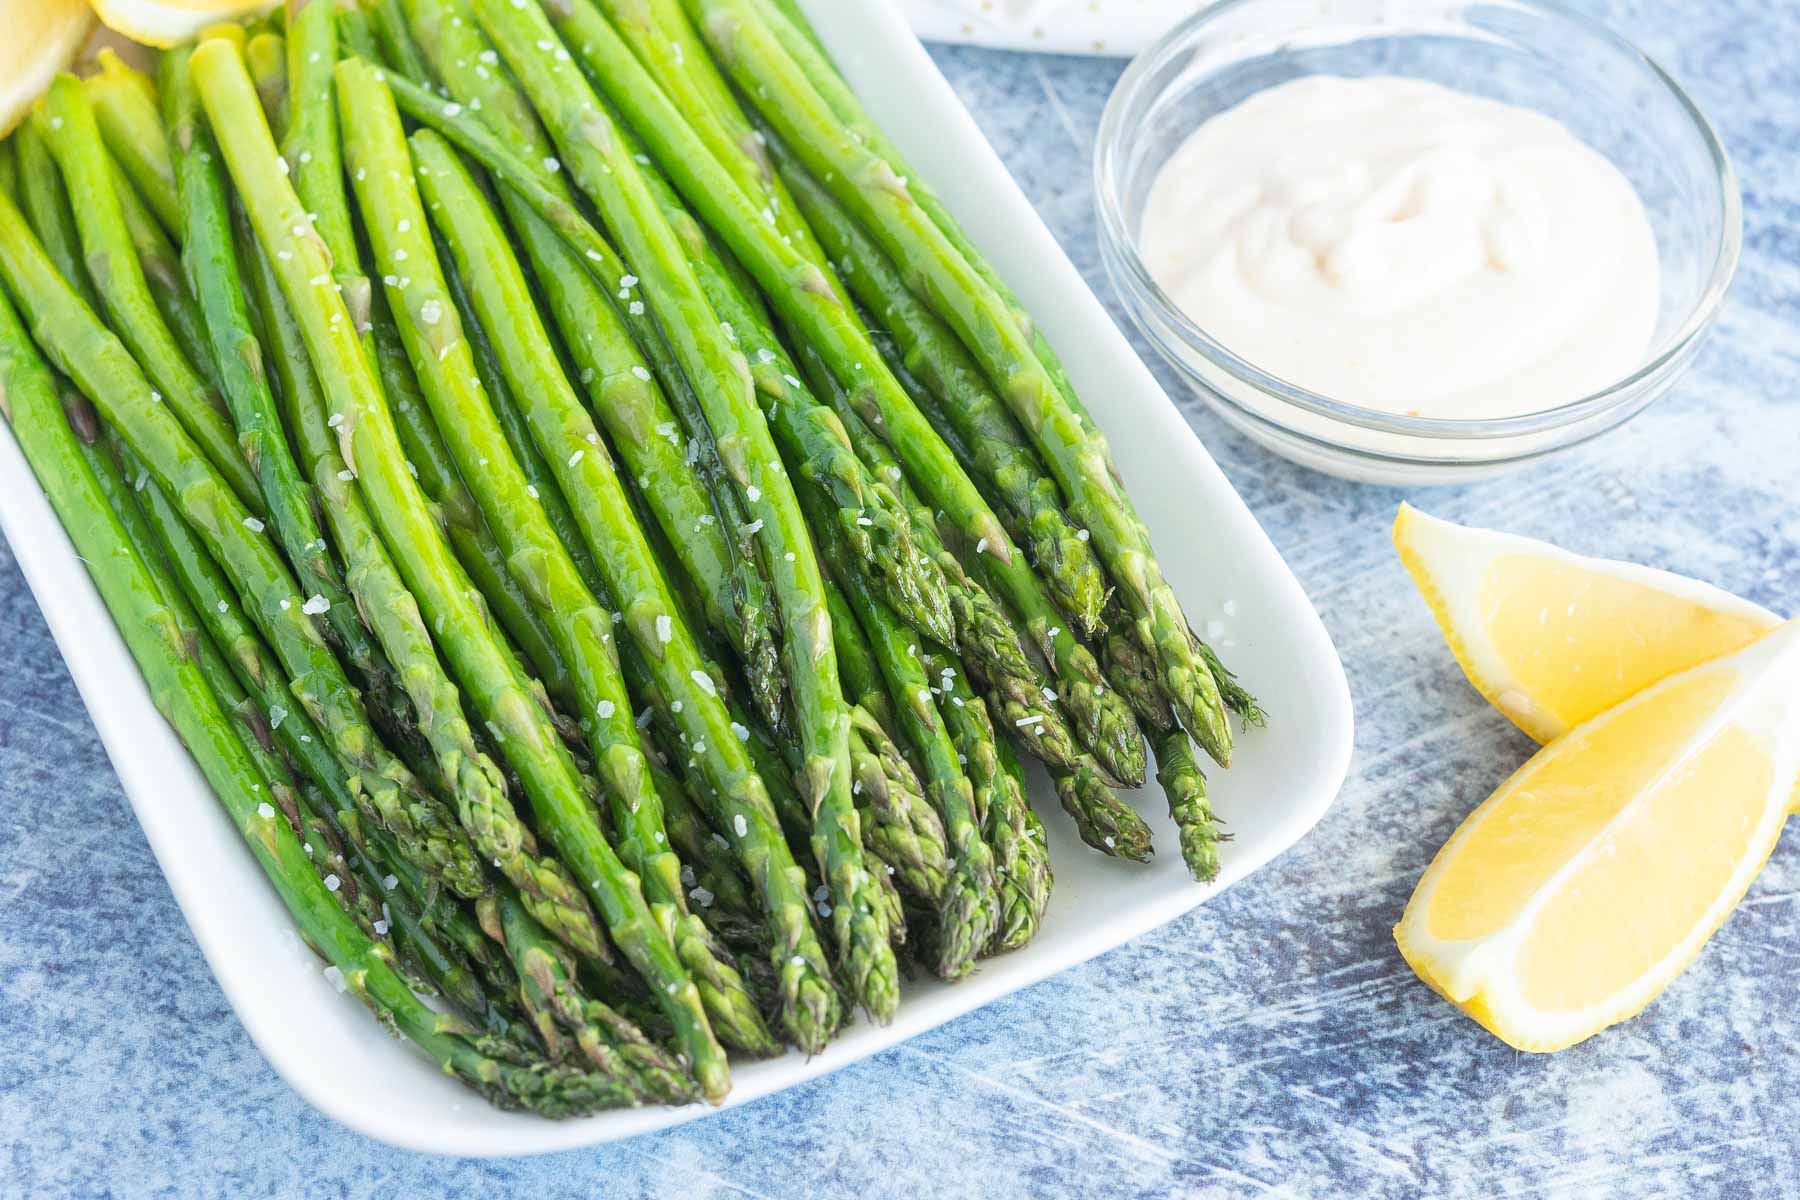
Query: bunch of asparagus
x,y
602,529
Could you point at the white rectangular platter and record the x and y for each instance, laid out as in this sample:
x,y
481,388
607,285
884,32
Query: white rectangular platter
x,y
326,1045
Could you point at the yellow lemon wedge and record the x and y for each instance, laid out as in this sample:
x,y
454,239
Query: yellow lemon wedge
x,y
165,23
42,38
1581,887
1553,638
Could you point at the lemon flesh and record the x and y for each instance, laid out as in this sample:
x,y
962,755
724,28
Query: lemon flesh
x,y
1552,638
1576,893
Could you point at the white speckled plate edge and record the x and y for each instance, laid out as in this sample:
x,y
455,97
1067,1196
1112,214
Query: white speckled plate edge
x,y
1110,27
1215,554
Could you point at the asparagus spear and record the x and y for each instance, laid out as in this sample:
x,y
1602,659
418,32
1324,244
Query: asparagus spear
x,y
467,532
905,831
181,693
45,203
125,106
966,405
377,155
599,161
1185,784
1105,821
161,266
205,608
398,48
567,439
357,30
557,1005
210,259
114,270
101,366
1021,864
968,912
266,56
663,40
869,186
1030,830
485,667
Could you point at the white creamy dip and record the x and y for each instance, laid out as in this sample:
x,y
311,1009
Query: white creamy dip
x,y
1394,244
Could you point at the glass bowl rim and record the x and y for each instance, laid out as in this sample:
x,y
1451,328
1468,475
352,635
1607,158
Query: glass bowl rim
x,y
1110,143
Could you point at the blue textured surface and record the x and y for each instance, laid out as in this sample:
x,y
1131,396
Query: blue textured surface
x,y
1272,1041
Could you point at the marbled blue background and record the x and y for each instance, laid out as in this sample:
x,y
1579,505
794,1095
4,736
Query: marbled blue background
x,y
1270,1043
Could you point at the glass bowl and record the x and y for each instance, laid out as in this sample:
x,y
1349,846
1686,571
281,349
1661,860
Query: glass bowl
x,y
1522,52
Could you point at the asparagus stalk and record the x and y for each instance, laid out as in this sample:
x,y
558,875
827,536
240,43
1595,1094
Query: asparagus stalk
x,y
875,527
312,147
45,203
357,31
1185,785
557,1005
968,912
125,106
871,188
904,830
266,56
567,439
117,276
181,693
1021,863
205,608
1105,821
101,366
399,50
161,266
1026,826
486,669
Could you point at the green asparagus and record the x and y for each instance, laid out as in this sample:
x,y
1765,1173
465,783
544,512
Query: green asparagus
x,y
485,668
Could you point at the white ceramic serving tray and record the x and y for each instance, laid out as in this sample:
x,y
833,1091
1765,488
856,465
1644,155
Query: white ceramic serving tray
x,y
327,1046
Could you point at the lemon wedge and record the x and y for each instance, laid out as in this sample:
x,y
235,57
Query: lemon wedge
x,y
42,38
1552,638
1581,887
165,23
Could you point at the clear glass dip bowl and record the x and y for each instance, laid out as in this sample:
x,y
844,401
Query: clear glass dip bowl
x,y
1522,52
